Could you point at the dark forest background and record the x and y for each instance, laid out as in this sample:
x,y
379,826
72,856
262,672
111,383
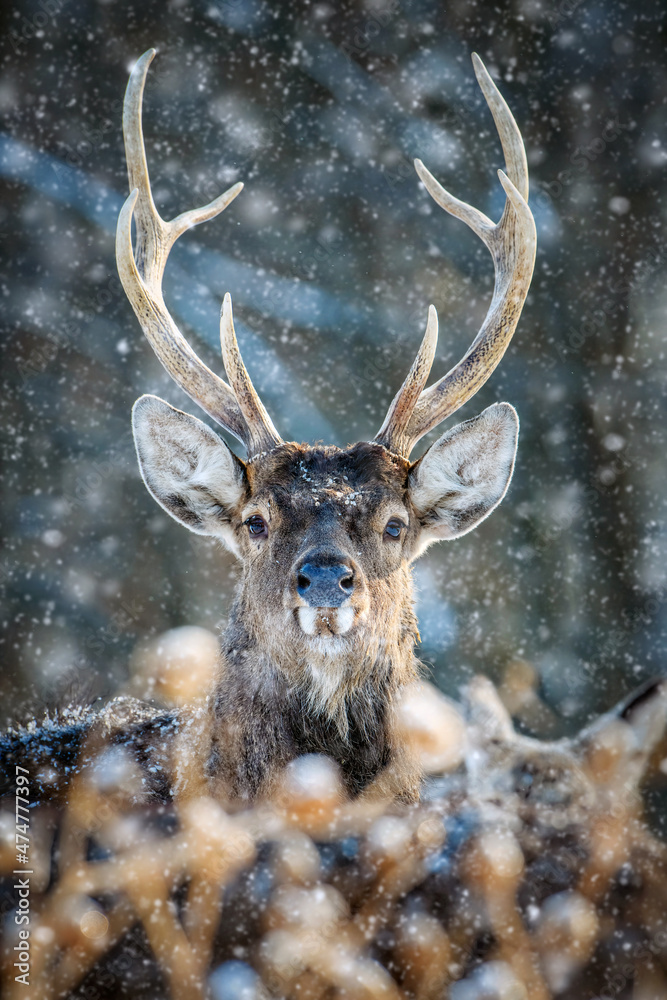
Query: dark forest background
x,y
332,255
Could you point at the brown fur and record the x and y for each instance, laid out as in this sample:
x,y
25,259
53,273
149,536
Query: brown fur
x,y
282,693
297,677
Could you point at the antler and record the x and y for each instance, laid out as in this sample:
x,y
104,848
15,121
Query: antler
x,y
511,242
239,410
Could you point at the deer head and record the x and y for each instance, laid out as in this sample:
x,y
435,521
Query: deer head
x,y
558,785
326,535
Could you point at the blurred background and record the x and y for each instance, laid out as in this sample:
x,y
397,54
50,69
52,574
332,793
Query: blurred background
x,y
332,254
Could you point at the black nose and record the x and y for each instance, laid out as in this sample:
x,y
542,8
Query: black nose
x,y
324,585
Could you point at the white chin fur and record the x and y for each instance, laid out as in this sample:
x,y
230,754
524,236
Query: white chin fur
x,y
307,620
324,622
345,620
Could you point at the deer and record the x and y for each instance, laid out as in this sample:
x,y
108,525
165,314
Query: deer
x,y
321,636
526,871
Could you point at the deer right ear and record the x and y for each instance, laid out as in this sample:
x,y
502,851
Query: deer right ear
x,y
188,469
465,474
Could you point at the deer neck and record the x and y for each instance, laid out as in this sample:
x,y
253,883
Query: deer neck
x,y
280,703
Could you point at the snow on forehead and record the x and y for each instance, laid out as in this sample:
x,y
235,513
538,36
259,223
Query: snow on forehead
x,y
329,484
363,472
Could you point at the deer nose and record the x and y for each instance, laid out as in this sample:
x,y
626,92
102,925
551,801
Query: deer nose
x,y
324,585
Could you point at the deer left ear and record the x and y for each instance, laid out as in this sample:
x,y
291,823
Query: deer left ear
x,y
188,469
465,474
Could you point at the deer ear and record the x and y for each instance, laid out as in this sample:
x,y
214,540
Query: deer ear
x,y
188,469
488,729
465,474
486,712
619,745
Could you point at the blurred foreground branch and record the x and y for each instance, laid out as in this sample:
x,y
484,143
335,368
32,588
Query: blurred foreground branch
x,y
526,871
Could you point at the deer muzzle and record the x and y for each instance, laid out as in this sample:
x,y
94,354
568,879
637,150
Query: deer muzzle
x,y
325,584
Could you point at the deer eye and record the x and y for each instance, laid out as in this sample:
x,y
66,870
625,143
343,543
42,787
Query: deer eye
x,y
393,528
257,526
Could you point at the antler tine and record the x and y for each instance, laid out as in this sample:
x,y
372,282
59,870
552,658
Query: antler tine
x,y
508,130
394,432
141,274
512,244
263,435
